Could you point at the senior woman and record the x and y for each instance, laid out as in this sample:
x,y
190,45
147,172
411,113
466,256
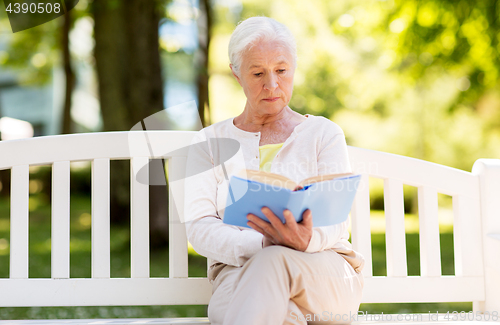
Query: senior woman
x,y
272,273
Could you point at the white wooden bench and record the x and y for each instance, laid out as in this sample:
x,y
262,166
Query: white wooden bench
x,y
476,225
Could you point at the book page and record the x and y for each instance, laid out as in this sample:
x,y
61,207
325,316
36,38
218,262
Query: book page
x,y
322,178
268,178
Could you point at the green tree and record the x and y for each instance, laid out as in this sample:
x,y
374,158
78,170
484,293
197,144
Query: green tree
x,y
417,78
205,22
130,89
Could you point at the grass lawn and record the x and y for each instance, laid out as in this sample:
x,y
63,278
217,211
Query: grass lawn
x,y
39,264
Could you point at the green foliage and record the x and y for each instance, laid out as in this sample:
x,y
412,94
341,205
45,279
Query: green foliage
x,y
417,78
460,37
34,52
31,52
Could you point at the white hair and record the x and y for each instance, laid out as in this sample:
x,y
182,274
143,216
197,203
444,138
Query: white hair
x,y
253,30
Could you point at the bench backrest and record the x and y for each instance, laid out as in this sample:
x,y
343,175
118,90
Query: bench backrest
x,y
468,283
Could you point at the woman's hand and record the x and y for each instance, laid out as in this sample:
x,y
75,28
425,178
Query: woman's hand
x,y
291,234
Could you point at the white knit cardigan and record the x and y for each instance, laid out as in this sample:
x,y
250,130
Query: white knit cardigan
x,y
316,146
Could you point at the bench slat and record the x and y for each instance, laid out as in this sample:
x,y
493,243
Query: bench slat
x,y
113,145
197,291
178,250
379,289
105,292
413,171
467,239
139,217
100,219
430,252
19,222
360,218
60,220
395,228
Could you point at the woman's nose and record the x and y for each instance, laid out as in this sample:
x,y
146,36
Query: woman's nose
x,y
271,82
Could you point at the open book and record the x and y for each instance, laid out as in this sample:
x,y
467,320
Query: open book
x,y
329,197
283,181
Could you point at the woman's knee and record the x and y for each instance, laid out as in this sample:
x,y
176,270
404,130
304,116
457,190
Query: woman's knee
x,y
273,252
270,257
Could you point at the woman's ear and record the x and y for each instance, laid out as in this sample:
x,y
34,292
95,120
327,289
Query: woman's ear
x,y
234,74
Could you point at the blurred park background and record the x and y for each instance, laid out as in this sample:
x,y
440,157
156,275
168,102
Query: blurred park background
x,y
416,77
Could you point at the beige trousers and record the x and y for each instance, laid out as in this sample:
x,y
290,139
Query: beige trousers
x,y
280,285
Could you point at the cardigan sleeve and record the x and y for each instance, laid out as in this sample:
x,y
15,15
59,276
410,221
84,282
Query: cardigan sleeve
x,y
332,158
206,232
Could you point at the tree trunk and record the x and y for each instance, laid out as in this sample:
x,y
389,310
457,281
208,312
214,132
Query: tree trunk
x,y
5,182
130,88
4,175
204,35
68,72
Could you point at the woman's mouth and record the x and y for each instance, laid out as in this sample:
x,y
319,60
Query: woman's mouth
x,y
271,99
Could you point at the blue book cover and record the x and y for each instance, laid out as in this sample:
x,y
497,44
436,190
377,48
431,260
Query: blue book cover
x,y
330,201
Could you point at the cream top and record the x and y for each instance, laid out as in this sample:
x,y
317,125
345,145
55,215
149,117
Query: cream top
x,y
267,153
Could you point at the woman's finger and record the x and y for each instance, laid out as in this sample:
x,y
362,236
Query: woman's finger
x,y
258,221
291,223
256,227
261,226
307,219
273,219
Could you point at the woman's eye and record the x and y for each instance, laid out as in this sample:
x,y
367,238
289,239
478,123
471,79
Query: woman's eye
x,y
258,74
281,70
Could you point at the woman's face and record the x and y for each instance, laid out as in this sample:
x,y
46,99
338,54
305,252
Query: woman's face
x,y
266,75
